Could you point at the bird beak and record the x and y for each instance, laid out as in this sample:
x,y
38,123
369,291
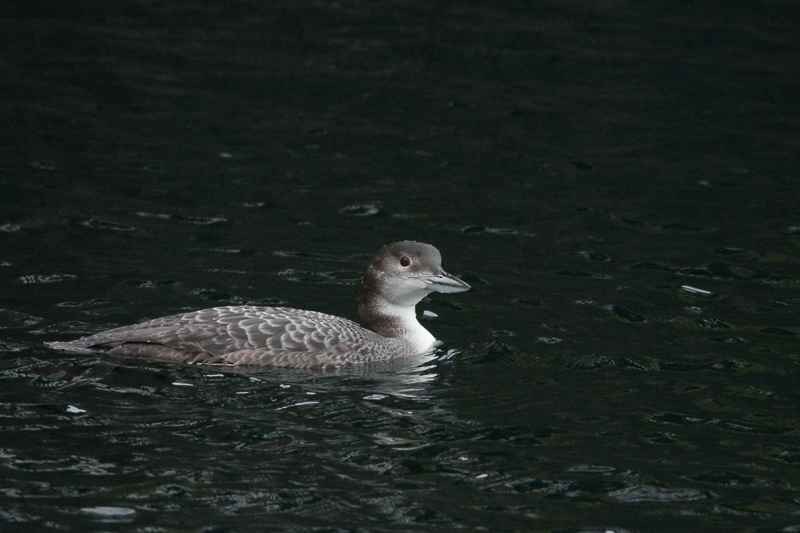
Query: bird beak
x,y
444,282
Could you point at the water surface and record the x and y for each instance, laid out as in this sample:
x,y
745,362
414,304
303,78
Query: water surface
x,y
618,183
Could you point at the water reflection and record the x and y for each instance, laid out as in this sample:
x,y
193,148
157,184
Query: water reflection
x,y
407,377
160,422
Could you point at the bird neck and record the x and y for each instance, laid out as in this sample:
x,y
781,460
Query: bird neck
x,y
390,320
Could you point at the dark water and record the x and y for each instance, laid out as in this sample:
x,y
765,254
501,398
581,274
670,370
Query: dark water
x,y
617,180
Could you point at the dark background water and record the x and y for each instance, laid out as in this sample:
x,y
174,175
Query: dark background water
x,y
586,166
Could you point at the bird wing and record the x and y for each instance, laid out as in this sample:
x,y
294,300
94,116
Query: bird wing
x,y
243,335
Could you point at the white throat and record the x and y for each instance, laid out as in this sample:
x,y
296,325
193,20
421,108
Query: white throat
x,y
411,330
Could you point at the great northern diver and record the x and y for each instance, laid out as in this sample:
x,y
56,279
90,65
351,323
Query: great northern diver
x,y
397,277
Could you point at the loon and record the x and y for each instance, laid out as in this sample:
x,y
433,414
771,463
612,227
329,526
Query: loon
x,y
396,279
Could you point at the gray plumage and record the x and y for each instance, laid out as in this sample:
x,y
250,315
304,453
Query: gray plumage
x,y
397,277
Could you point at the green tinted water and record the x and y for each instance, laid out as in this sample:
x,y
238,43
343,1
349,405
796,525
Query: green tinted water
x,y
617,182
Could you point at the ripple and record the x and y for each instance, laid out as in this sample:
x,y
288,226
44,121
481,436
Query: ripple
x,y
724,478
776,331
490,230
591,362
11,347
18,488
731,272
201,221
728,340
582,274
679,226
362,210
74,463
651,266
218,296
95,223
593,256
591,469
315,256
110,514
698,292
549,340
728,425
649,493
374,397
724,366
15,319
335,277
711,323
729,250
51,278
624,313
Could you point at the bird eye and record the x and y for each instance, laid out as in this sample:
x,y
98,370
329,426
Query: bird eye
x,y
405,261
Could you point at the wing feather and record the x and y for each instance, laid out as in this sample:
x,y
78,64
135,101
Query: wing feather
x,y
245,335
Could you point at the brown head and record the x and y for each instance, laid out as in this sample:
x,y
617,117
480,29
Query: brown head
x,y
398,277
